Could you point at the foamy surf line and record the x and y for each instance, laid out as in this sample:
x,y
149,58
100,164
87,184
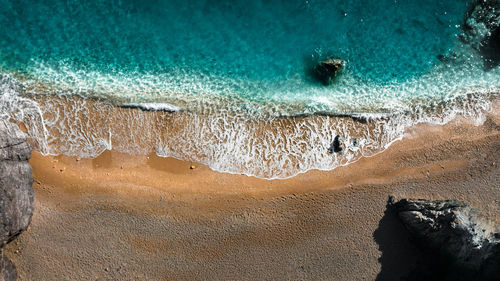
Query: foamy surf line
x,y
268,148
153,106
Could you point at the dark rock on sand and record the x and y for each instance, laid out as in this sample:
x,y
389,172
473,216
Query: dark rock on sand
x,y
327,70
16,191
459,243
481,30
355,142
337,145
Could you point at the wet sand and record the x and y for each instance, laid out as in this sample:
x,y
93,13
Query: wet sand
x,y
123,217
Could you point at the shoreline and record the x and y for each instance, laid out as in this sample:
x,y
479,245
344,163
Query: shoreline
x,y
274,148
285,122
145,217
162,163
115,166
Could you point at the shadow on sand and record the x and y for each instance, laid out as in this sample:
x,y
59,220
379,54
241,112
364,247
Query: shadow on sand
x,y
400,258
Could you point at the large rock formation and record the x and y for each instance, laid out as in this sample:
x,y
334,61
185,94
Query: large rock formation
x,y
16,191
482,30
459,243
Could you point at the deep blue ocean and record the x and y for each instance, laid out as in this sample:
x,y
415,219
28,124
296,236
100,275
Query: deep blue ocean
x,y
250,57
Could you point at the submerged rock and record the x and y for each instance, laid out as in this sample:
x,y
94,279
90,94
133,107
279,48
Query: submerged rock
x,y
481,30
490,49
327,70
447,58
16,191
461,245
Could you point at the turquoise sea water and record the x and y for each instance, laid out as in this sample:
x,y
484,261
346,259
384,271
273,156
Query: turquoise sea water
x,y
239,57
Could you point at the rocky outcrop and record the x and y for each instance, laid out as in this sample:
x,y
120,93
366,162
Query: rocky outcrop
x,y
482,30
16,191
460,244
327,70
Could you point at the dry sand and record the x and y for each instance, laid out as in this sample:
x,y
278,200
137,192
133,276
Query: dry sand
x,y
122,217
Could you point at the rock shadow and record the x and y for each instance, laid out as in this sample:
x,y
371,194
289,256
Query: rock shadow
x,y
403,259
400,258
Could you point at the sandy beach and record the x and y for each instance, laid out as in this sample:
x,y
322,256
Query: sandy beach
x,y
250,140
124,217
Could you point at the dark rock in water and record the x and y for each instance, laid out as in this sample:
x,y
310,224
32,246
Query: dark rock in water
x,y
327,70
481,30
482,16
336,146
355,142
461,245
490,49
16,191
8,271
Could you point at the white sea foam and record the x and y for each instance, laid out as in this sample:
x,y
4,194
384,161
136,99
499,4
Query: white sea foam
x,y
270,148
153,106
199,92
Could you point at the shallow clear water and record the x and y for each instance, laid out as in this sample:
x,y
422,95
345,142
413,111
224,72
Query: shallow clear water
x,y
228,58
211,52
